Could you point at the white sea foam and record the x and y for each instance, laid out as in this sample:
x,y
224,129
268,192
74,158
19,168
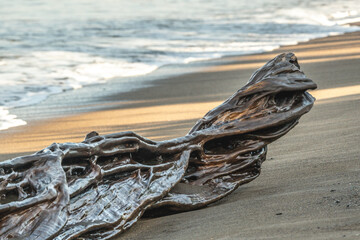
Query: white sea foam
x,y
68,45
30,79
8,120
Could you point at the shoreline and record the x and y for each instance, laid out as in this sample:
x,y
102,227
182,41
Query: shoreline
x,y
142,92
128,84
309,187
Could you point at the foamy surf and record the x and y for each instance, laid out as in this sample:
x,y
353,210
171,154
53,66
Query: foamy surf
x,y
8,120
46,73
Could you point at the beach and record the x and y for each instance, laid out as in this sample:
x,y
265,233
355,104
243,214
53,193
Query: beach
x,y
309,185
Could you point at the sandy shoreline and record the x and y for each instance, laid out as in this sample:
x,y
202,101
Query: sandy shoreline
x,y
105,109
311,176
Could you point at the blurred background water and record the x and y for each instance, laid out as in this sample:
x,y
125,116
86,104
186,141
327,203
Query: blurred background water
x,y
49,46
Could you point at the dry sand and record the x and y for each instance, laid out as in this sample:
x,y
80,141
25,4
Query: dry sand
x,y
310,184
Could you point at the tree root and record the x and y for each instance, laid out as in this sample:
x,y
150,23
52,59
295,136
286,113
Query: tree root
x,y
100,187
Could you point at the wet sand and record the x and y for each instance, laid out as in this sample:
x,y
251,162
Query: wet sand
x,y
309,187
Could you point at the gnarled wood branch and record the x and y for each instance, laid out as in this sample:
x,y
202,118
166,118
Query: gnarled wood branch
x,y
100,187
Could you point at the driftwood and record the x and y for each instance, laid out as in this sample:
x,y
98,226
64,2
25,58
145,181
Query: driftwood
x,y
98,188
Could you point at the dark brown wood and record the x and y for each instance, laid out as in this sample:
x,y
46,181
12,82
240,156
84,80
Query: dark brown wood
x,y
100,187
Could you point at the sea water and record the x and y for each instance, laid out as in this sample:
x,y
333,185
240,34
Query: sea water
x,y
50,46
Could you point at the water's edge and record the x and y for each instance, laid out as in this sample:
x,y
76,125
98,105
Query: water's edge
x,y
95,97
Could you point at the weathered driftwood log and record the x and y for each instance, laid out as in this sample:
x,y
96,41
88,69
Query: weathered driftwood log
x,y
100,187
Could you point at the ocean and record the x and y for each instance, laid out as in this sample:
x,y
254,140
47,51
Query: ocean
x,y
48,46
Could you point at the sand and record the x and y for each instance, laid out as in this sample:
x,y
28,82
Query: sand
x,y
309,187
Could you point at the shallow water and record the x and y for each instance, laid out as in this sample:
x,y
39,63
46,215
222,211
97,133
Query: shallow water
x,y
47,47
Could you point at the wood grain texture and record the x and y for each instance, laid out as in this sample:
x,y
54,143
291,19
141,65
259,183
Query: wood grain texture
x,y
100,187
